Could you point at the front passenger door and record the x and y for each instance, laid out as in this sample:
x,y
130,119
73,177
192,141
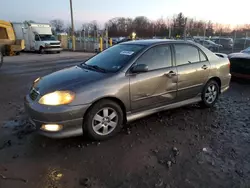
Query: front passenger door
x,y
158,86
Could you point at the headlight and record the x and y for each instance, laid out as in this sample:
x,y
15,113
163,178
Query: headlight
x,y
47,45
57,98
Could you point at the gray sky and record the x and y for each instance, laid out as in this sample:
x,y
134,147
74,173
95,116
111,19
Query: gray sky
x,y
221,11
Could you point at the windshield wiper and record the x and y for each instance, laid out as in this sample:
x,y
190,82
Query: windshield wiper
x,y
95,67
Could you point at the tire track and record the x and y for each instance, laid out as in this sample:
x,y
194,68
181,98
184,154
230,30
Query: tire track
x,y
39,67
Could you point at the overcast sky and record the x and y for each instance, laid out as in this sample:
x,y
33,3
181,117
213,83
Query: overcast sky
x,y
221,11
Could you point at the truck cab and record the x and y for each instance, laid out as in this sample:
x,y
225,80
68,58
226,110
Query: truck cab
x,y
47,43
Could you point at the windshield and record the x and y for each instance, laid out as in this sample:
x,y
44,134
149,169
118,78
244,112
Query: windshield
x,y
211,42
116,57
47,37
222,41
247,50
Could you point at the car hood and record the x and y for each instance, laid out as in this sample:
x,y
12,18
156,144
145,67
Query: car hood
x,y
66,79
218,45
239,55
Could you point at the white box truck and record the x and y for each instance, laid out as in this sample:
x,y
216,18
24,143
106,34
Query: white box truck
x,y
37,37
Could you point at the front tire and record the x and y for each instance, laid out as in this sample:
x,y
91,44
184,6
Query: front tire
x,y
41,50
210,94
103,120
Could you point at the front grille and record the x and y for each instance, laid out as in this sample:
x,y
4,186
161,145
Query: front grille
x,y
54,47
55,43
33,94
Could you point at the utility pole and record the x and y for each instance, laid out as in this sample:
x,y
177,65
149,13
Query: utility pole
x,y
72,27
169,32
234,39
185,30
204,32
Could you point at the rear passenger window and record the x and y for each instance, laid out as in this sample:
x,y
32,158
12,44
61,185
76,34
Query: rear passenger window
x,y
186,54
202,56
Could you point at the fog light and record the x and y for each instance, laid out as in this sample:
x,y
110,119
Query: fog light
x,y
51,127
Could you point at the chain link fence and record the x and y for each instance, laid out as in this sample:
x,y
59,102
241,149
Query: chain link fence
x,y
87,41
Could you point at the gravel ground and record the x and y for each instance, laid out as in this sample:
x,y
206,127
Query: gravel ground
x,y
184,147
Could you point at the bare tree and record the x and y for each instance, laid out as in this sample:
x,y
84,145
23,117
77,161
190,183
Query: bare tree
x,y
68,29
121,26
29,22
58,25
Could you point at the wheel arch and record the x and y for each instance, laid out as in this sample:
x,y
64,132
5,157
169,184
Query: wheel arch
x,y
116,100
217,79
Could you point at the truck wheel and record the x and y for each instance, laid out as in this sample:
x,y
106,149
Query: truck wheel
x,y
41,50
1,59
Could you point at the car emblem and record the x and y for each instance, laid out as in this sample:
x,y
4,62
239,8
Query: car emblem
x,y
34,90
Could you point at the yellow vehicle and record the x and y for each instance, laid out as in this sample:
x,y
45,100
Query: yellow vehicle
x,y
8,43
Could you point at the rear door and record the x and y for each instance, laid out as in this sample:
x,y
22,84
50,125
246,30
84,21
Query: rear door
x,y
158,86
192,69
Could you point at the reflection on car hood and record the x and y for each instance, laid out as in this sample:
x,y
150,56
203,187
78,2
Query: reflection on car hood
x,y
67,78
239,55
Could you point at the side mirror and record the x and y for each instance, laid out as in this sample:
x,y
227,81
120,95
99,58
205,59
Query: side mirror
x,y
139,68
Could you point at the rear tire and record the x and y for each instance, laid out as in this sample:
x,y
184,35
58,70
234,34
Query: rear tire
x,y
210,94
104,120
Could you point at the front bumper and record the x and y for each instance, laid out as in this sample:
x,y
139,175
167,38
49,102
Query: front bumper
x,y
53,49
70,117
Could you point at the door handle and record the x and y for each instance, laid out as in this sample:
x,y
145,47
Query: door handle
x,y
171,73
204,67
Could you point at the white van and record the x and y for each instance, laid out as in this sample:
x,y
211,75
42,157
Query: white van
x,y
37,37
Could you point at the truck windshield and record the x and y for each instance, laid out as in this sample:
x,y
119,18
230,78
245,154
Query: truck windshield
x,y
47,37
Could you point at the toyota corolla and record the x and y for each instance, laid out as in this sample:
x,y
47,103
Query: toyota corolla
x,y
128,81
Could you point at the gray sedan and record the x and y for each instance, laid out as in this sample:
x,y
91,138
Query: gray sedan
x,y
126,82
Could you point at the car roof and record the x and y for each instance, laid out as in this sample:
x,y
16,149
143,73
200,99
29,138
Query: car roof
x,y
150,42
222,38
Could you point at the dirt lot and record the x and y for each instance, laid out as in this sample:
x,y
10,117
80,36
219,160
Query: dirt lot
x,y
185,147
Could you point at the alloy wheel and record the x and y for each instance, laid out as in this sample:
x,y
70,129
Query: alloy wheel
x,y
211,94
105,121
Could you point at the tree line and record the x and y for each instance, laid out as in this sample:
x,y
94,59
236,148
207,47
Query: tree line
x,y
178,25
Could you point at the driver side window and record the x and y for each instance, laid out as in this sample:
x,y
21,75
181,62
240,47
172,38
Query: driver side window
x,y
37,38
157,57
